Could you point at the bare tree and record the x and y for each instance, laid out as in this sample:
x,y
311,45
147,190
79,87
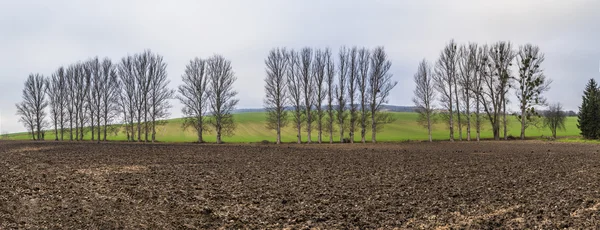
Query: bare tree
x,y
477,87
496,75
128,95
468,73
555,118
158,93
193,94
308,83
222,95
330,72
56,89
143,78
70,78
295,91
380,86
353,73
444,78
320,91
109,95
362,82
27,117
340,94
81,81
425,95
95,98
33,108
531,83
276,90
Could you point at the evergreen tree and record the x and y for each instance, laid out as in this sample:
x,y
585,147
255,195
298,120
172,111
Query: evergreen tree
x,y
589,112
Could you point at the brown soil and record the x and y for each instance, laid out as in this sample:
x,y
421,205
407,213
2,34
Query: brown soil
x,y
411,185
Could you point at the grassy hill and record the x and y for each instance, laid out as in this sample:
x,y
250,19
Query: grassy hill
x,y
251,128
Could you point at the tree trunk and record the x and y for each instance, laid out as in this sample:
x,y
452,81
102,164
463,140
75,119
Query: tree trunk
x,y
522,123
99,129
458,116
153,131
429,125
92,127
218,134
299,136
320,135
55,131
478,122
278,134
308,129
341,133
105,129
363,133
330,133
373,129
468,114
504,117
451,122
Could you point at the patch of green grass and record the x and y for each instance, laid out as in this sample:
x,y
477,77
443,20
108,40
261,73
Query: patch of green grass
x,y
251,128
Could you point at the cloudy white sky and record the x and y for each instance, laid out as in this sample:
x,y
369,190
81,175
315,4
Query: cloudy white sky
x,y
40,36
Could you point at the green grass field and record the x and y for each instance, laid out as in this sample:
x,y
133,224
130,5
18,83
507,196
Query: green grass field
x,y
251,128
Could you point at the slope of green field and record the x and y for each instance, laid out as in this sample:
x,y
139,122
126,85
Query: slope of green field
x,y
251,128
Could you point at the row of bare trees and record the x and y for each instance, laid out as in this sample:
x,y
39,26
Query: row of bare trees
x,y
473,81
321,93
89,96
208,96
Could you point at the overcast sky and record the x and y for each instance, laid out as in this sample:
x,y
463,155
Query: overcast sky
x,y
40,36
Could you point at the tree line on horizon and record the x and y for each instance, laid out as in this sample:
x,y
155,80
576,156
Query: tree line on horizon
x,y
91,96
472,81
311,88
343,92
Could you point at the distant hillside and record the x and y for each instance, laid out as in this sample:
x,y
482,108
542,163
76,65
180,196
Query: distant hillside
x,y
251,127
391,108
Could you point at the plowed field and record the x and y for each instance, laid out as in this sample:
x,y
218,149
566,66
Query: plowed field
x,y
411,185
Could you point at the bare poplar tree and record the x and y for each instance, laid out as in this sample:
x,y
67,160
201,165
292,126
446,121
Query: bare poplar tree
x,y
380,86
83,93
33,108
308,84
445,73
295,91
362,82
330,72
340,94
193,94
128,95
320,91
353,73
425,95
159,94
95,98
477,87
109,95
143,77
468,73
81,80
496,83
276,90
27,117
56,89
531,83
222,95
70,77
